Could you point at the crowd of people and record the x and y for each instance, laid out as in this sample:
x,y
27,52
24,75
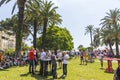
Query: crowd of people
x,y
48,59
7,61
43,59
53,59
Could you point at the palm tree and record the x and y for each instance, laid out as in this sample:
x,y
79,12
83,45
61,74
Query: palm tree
x,y
96,38
48,13
12,24
33,18
112,19
21,5
106,37
89,29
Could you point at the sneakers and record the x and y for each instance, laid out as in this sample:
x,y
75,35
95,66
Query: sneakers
x,y
64,75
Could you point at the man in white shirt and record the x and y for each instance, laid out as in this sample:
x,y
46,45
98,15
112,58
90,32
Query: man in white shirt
x,y
101,56
42,57
65,62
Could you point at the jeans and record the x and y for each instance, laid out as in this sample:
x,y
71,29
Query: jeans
x,y
101,62
45,68
41,67
54,70
31,66
64,69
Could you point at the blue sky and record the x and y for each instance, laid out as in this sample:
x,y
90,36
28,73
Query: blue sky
x,y
76,15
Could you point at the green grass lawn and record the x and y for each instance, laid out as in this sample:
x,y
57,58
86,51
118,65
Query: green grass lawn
x,y
91,71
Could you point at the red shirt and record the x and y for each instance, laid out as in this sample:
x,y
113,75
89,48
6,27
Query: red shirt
x,y
31,55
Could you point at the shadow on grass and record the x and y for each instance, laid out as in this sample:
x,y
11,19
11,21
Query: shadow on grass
x,y
109,72
102,68
26,74
36,76
59,68
4,70
61,77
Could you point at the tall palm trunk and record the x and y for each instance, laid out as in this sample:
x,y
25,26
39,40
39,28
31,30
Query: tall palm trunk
x,y
91,37
21,4
44,33
117,47
35,33
111,48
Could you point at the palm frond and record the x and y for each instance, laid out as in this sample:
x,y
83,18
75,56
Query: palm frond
x,y
2,2
14,7
7,1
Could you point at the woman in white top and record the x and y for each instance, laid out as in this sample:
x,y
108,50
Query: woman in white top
x,y
59,56
65,62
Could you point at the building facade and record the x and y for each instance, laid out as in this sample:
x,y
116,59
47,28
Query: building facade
x,y
6,40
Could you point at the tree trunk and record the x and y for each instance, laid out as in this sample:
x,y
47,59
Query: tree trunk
x,y
111,49
44,32
117,47
35,33
21,4
91,37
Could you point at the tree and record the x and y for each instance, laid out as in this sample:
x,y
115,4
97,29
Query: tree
x,y
89,29
25,47
48,14
33,19
11,24
21,5
96,39
57,38
80,46
112,19
9,51
106,37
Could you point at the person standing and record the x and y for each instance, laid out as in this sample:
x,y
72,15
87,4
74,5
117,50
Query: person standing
x,y
54,65
65,62
31,60
86,57
59,56
81,57
36,58
42,57
101,56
